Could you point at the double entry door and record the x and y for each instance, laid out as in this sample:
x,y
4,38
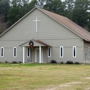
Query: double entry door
x,y
37,56
33,55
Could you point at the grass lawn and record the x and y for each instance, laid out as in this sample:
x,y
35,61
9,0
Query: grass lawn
x,y
44,77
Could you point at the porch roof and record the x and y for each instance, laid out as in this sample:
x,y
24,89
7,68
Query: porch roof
x,y
36,43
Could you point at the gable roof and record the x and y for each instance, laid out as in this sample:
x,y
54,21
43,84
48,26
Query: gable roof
x,y
64,21
38,41
78,30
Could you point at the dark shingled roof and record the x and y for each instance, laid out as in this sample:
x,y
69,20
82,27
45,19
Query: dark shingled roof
x,y
73,27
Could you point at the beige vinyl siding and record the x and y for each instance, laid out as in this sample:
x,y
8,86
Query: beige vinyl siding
x,y
8,55
86,52
55,50
67,55
47,29
68,45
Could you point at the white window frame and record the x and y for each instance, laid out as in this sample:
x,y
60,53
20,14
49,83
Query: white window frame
x,y
27,52
61,47
13,52
3,52
88,52
49,52
75,51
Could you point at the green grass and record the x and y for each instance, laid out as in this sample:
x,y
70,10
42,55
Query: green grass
x,y
44,77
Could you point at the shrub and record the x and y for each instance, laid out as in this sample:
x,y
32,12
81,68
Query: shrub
x,y
69,62
20,62
77,63
53,61
6,61
14,62
61,62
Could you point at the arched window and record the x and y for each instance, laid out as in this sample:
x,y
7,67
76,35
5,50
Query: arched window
x,y
14,52
49,52
28,52
2,51
61,51
74,52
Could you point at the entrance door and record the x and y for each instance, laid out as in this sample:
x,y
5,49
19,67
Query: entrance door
x,y
37,55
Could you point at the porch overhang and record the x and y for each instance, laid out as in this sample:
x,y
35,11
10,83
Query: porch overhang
x,y
36,43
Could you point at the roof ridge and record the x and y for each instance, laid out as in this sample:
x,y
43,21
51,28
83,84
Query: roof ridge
x,y
72,26
50,12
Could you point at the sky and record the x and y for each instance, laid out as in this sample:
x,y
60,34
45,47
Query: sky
x,y
61,0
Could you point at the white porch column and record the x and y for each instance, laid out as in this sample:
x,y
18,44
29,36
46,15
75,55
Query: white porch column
x,y
40,61
23,54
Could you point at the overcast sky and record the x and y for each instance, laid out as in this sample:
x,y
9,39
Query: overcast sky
x,y
61,0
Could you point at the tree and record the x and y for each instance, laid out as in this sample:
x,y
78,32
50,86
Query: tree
x,y
80,14
14,14
69,6
18,9
32,4
76,10
88,21
56,6
40,3
4,7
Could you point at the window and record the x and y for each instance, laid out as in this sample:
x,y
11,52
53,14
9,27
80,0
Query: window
x,y
49,52
61,51
74,52
14,52
28,52
2,51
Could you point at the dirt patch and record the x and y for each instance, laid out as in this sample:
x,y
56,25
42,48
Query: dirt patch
x,y
87,88
59,87
87,77
74,83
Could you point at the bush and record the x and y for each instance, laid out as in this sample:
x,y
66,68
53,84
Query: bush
x,y
61,62
69,62
6,61
77,63
20,62
14,62
53,61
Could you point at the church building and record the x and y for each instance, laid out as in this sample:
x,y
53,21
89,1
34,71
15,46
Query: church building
x,y
41,36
